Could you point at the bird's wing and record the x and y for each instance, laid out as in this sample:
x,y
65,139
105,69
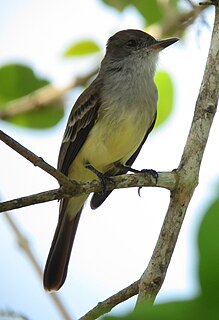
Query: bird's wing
x,y
98,198
80,122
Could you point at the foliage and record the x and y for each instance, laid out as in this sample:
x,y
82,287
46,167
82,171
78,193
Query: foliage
x,y
152,11
81,48
165,96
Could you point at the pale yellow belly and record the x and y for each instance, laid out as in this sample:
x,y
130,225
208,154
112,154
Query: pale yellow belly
x,y
107,144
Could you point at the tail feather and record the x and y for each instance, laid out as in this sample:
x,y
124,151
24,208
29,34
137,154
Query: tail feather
x,y
60,251
98,198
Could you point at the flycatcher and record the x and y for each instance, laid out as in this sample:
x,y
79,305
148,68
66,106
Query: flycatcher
x,y
106,130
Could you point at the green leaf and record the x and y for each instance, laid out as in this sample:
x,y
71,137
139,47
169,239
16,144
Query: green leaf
x,y
179,310
120,5
165,97
81,48
174,3
42,118
208,240
151,11
16,81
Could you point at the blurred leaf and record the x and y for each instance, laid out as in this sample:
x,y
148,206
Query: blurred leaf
x,y
117,4
150,10
179,310
165,96
174,2
42,118
81,48
209,252
17,81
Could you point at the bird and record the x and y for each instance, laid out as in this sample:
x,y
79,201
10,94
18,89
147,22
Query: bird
x,y
106,129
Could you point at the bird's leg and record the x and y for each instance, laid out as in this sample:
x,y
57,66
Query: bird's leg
x,y
152,172
101,176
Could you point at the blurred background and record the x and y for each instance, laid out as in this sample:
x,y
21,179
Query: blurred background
x,y
53,43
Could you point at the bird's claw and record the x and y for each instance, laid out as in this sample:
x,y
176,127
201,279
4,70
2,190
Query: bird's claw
x,y
101,176
153,173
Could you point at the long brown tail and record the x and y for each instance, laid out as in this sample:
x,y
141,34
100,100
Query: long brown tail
x,y
60,251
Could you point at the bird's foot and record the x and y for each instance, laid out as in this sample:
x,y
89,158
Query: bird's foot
x,y
101,176
153,173
125,168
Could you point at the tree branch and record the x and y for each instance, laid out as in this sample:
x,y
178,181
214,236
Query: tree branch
x,y
188,172
175,24
71,188
36,161
165,180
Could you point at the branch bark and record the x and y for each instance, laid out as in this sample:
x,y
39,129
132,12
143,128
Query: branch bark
x,y
37,161
187,173
71,188
165,180
108,304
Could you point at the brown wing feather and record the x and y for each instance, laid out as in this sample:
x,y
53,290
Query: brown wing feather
x,y
80,122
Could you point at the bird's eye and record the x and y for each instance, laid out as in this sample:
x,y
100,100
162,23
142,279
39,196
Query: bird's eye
x,y
131,43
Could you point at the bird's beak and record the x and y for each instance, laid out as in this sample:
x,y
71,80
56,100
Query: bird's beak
x,y
162,44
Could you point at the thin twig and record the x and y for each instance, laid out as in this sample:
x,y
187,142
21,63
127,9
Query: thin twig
x,y
9,314
24,244
108,304
209,3
180,21
36,161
